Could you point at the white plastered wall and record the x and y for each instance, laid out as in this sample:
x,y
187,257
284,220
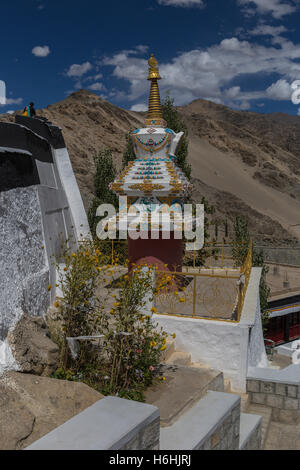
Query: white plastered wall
x,y
71,188
224,345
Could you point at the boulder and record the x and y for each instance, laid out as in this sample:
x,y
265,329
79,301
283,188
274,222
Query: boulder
x,y
32,406
33,350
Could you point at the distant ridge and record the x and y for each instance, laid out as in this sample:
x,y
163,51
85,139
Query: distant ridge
x,y
243,162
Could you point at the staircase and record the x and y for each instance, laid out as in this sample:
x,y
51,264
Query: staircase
x,y
187,396
265,412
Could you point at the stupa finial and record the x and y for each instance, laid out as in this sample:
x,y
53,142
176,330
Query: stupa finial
x,y
154,117
153,68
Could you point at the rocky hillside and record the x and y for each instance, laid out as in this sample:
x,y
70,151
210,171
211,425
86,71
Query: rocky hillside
x,y
243,162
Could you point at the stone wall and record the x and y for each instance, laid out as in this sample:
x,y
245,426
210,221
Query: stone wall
x,y
110,424
25,271
250,432
279,390
213,423
40,204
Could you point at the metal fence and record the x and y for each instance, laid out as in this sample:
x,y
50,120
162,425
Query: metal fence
x,y
213,293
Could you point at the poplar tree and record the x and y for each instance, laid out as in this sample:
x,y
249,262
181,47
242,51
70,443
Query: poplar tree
x,y
105,174
175,122
239,252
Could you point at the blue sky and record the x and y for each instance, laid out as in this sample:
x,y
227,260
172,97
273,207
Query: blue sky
x,y
242,53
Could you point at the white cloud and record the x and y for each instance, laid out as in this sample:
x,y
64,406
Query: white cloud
x,y
139,107
92,78
280,90
11,111
14,100
233,92
268,30
11,101
182,3
97,86
277,8
209,73
41,51
77,70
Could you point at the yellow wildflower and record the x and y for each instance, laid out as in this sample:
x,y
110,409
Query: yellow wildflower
x,y
163,347
153,309
174,335
112,312
49,287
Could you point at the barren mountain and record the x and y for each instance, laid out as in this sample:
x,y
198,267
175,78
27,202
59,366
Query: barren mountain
x,y
242,162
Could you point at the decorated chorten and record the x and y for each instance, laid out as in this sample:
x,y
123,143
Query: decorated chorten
x,y
153,182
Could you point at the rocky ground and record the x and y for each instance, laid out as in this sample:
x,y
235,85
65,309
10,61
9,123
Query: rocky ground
x,y
32,403
31,406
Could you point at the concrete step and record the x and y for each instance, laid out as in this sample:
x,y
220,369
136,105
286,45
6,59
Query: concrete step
x,y
211,423
170,349
245,400
179,358
182,388
227,386
200,365
250,431
265,412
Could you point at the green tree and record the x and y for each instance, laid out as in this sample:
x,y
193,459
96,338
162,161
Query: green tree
x,y
175,122
239,253
128,155
264,289
226,228
105,174
241,240
216,230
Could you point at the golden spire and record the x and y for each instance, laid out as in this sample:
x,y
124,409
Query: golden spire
x,y
154,117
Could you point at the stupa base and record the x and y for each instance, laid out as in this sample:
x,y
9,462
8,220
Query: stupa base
x,y
164,253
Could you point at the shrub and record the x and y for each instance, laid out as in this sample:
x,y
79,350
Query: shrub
x,y
126,359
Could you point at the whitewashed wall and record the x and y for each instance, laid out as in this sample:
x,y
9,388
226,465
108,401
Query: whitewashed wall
x,y
25,269
69,183
225,346
256,352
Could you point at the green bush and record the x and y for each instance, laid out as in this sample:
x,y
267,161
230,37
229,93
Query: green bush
x,y
126,360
